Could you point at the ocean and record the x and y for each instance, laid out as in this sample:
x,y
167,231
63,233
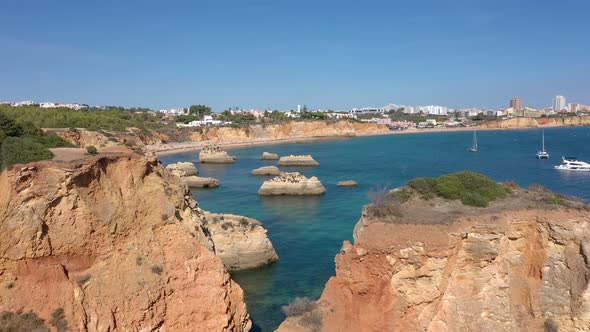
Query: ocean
x,y
307,232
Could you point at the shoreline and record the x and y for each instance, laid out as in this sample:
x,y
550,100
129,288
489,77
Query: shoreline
x,y
180,147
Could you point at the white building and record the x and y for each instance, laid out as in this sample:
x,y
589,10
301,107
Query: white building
x,y
559,103
48,105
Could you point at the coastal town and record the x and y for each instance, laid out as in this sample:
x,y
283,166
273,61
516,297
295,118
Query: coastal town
x,y
394,116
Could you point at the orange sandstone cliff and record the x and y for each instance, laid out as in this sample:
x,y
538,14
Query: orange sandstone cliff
x,y
114,244
515,123
520,264
288,129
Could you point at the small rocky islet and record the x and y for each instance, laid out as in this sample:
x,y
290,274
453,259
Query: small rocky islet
x,y
291,184
215,155
187,172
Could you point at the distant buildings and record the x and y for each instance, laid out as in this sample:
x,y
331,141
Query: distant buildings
x,y
516,104
559,103
207,121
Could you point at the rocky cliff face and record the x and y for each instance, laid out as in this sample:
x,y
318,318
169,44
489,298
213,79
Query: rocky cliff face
x,y
84,138
117,244
521,264
539,122
290,129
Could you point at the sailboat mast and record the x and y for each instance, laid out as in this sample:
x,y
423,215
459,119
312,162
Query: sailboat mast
x,y
475,139
543,140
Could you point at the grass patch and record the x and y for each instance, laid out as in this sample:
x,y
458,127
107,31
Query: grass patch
x,y
555,199
471,188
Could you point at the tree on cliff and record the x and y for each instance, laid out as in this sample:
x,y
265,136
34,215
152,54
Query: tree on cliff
x,y
200,110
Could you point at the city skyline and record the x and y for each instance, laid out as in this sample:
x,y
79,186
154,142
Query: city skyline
x,y
262,54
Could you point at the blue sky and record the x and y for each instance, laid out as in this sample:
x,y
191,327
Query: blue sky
x,y
280,53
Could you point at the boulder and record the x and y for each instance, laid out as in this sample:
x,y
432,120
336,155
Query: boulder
x,y
215,155
267,170
200,182
291,184
269,156
240,242
183,169
347,183
304,160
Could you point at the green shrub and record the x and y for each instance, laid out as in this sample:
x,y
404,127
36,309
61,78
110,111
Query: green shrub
x,y
424,186
92,150
17,150
471,188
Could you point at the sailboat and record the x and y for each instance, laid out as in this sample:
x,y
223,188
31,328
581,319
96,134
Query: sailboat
x,y
543,154
473,148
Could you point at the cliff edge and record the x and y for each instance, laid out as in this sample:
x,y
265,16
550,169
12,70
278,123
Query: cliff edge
x,y
460,256
113,244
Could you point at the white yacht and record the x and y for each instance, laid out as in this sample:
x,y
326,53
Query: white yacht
x,y
573,164
543,154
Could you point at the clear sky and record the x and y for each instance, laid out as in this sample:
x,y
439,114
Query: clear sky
x,y
280,53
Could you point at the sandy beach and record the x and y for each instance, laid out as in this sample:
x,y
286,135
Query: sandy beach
x,y
178,147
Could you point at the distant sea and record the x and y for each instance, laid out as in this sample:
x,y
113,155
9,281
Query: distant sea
x,y
307,232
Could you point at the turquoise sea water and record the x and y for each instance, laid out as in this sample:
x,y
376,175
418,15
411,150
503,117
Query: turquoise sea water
x,y
307,232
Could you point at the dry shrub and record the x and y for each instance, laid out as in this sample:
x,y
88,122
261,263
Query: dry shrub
x,y
299,306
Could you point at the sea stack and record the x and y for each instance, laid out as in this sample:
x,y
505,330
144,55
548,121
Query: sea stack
x,y
215,155
303,160
187,173
267,170
269,156
182,169
240,242
347,183
291,184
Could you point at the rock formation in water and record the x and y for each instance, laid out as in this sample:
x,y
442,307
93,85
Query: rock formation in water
x,y
347,183
291,184
269,156
187,172
425,263
182,169
215,155
240,242
112,244
304,160
267,170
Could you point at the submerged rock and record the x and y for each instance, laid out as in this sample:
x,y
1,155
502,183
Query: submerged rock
x,y
304,160
200,182
269,156
292,184
347,183
267,170
182,169
240,242
215,155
